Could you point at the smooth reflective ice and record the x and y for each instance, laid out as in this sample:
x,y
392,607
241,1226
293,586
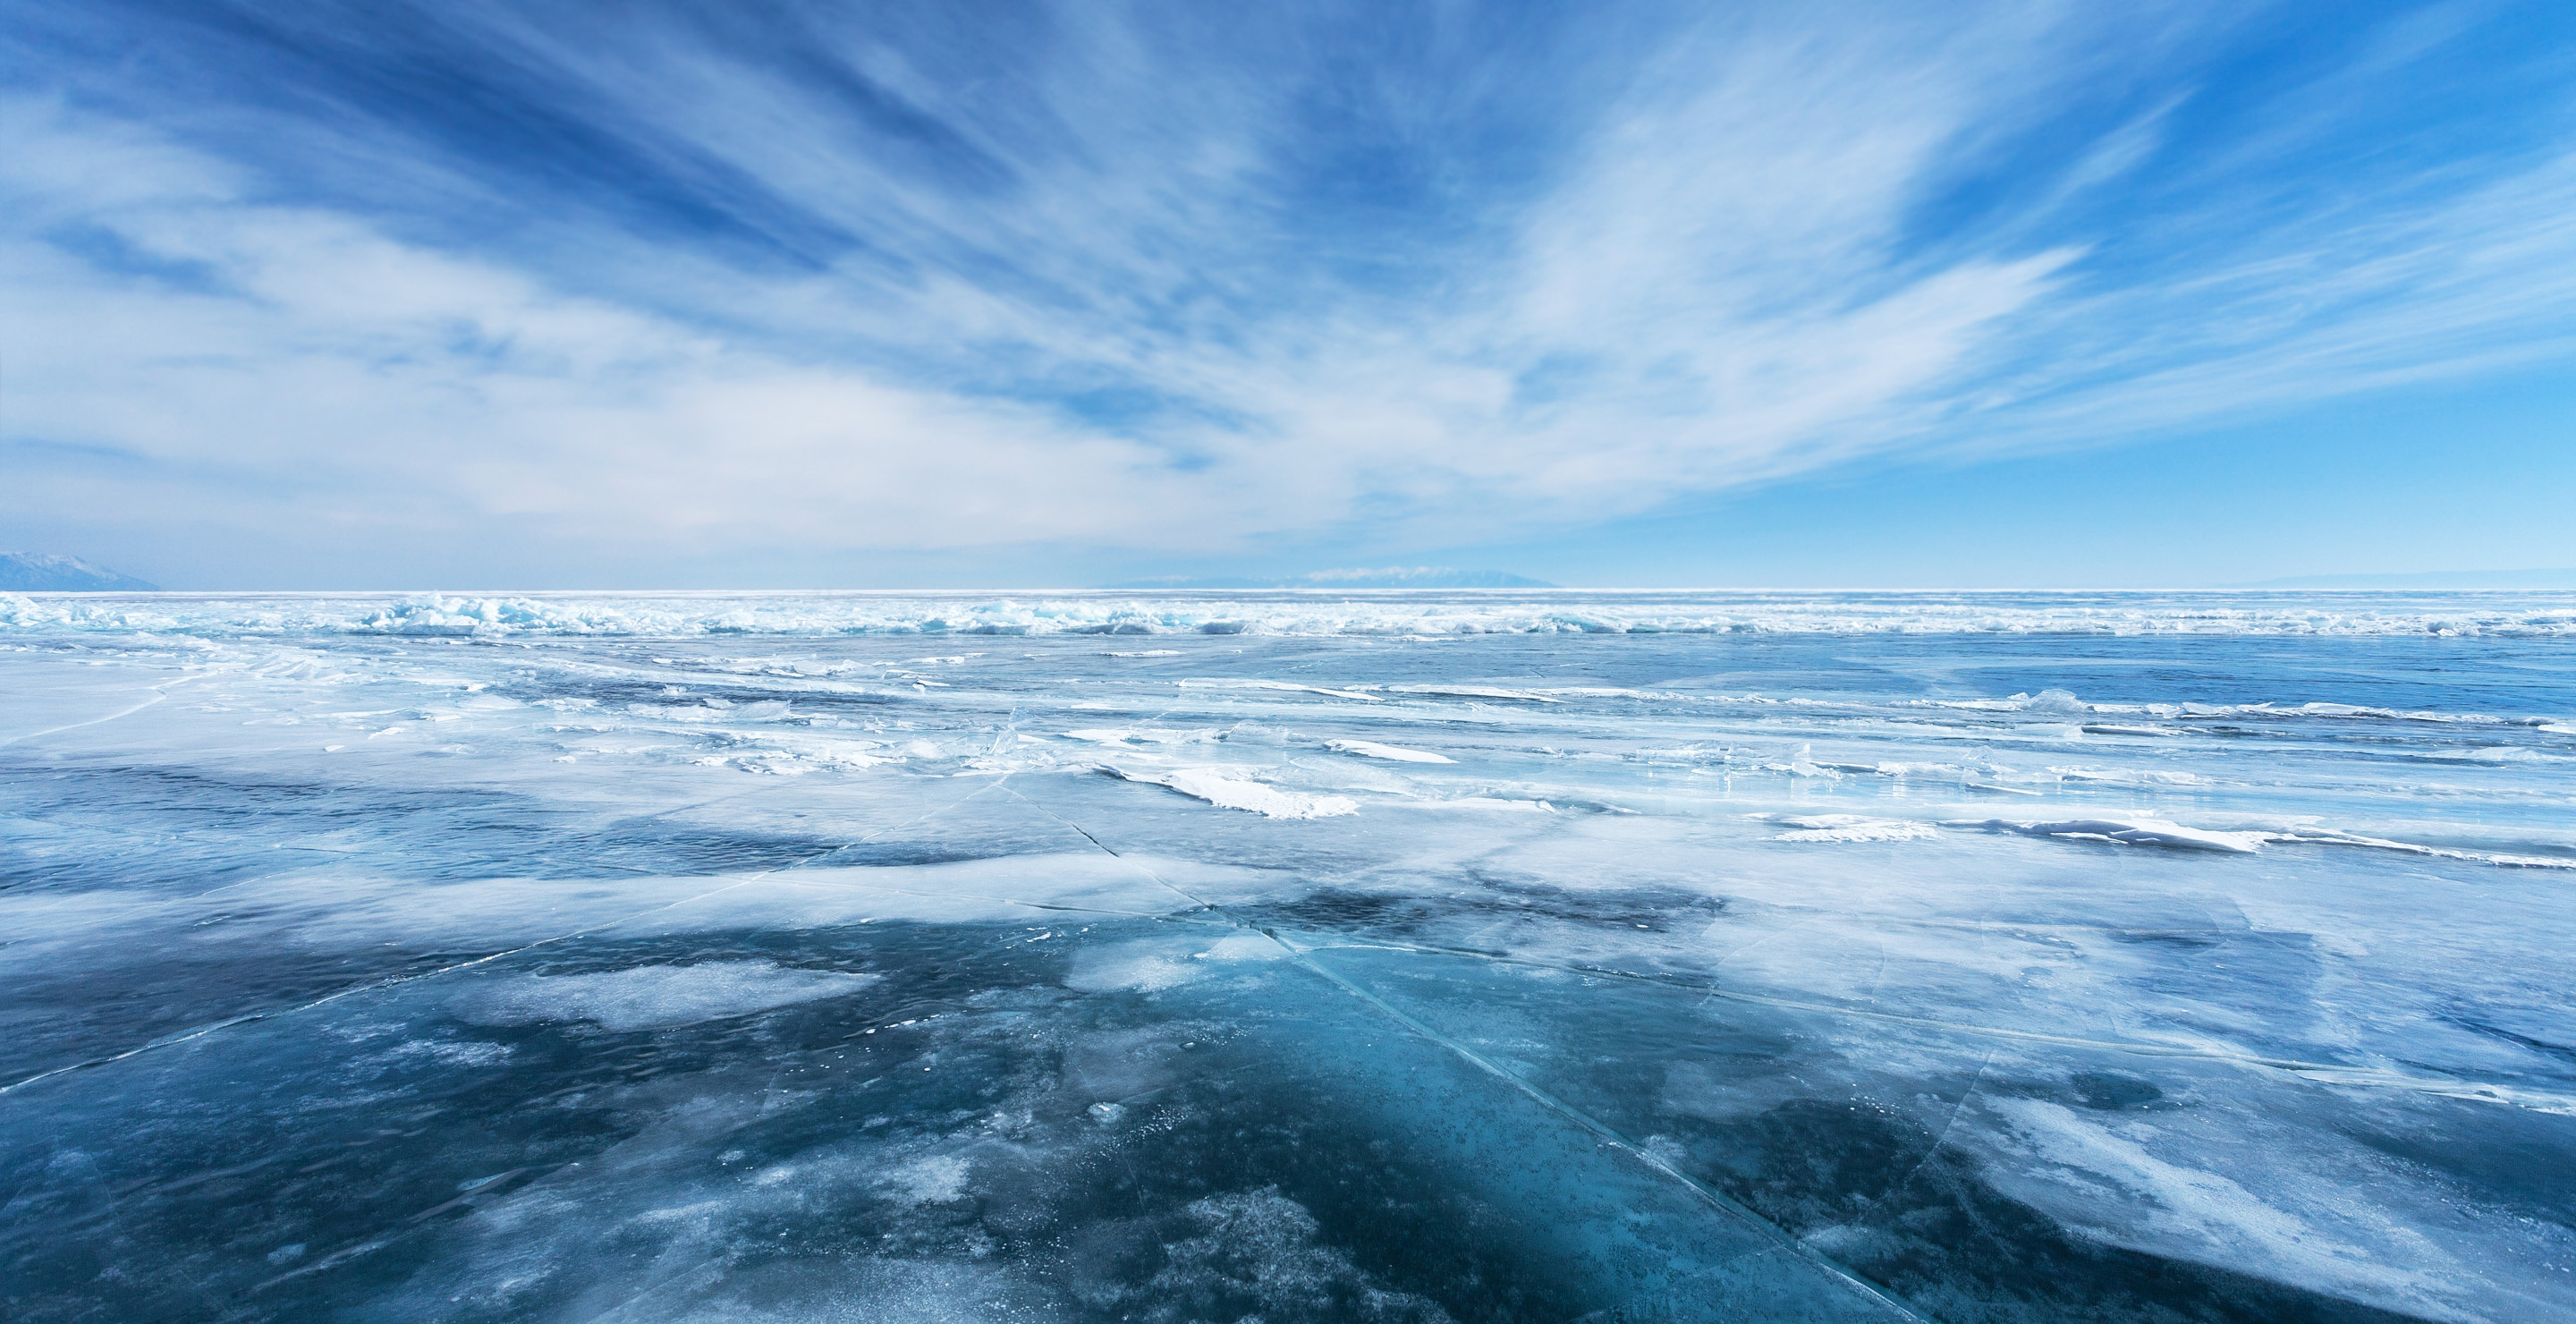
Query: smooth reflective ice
x,y
1383,957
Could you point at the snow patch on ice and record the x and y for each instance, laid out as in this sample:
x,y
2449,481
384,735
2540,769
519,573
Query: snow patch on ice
x,y
2207,1216
1228,789
1141,968
654,996
1140,736
451,1054
2131,776
2126,831
1279,685
1850,827
1474,692
1261,1249
939,1179
2328,837
1244,947
1372,749
2243,840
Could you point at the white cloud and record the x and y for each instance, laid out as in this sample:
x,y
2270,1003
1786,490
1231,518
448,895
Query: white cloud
x,y
349,373
1719,285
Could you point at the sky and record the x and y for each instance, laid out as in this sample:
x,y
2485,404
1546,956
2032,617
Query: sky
x,y
755,295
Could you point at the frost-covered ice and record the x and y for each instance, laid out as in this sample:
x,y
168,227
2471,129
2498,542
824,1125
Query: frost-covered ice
x,y
655,996
1325,956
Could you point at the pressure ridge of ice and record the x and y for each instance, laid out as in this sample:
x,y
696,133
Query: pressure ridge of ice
x,y
1300,613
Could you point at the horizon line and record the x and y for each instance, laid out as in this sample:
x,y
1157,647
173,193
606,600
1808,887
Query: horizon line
x,y
1223,592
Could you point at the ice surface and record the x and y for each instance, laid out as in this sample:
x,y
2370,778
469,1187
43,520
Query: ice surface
x,y
1342,956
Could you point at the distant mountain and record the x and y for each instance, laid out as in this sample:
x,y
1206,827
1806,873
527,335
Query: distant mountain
x,y
35,572
2431,580
1422,576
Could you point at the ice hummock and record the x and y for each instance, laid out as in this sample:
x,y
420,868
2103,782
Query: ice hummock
x,y
1392,614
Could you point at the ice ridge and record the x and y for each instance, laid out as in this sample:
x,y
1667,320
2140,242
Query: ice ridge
x,y
1396,614
1230,789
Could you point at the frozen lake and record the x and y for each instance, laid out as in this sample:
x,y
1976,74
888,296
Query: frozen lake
x,y
1406,956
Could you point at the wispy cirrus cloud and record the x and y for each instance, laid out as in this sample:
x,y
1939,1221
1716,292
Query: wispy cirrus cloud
x,y
741,281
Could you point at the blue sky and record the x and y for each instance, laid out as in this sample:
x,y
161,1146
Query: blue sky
x,y
348,295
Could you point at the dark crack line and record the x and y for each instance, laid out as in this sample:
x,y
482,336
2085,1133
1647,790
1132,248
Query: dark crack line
x,y
1599,1130
1949,1124
159,693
